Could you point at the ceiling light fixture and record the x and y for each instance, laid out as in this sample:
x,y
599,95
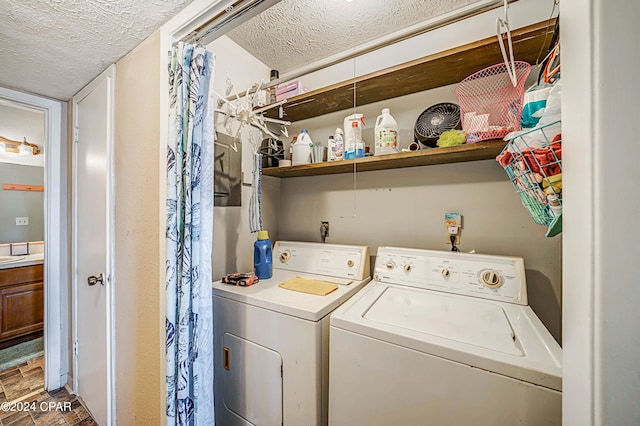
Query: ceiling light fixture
x,y
24,148
15,147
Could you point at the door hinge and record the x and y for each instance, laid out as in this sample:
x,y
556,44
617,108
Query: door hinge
x,y
75,349
75,134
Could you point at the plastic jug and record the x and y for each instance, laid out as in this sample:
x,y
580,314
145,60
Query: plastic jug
x,y
354,147
262,256
386,134
302,149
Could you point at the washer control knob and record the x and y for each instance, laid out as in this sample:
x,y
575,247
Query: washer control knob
x,y
491,278
390,265
285,256
407,268
445,273
350,263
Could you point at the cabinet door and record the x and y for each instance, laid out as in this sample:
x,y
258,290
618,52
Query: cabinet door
x,y
22,309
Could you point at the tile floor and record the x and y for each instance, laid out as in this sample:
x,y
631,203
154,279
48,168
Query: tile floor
x,y
23,387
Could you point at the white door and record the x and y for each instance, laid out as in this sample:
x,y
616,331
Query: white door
x,y
93,215
251,382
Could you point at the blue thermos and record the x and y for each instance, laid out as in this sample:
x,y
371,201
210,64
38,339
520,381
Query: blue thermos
x,y
262,257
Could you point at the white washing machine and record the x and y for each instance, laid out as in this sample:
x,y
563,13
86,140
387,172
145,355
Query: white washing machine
x,y
271,344
443,338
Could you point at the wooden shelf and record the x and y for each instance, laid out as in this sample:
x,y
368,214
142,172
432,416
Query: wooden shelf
x,y
478,151
441,69
18,187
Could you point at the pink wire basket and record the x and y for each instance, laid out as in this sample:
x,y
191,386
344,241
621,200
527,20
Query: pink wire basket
x,y
489,104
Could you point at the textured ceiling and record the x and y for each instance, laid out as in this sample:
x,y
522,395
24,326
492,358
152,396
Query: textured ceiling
x,y
55,47
294,33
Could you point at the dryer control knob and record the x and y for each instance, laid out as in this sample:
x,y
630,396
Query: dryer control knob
x,y
350,263
390,265
491,278
285,256
445,273
407,268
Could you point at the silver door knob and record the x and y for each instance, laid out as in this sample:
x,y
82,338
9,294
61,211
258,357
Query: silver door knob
x,y
93,280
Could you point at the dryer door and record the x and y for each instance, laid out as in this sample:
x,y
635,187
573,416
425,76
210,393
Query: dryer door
x,y
252,381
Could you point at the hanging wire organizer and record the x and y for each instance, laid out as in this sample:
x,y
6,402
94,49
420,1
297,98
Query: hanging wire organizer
x,y
533,162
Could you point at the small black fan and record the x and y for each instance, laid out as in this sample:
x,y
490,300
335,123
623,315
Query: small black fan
x,y
436,120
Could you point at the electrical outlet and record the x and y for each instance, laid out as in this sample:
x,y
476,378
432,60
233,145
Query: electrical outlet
x,y
22,221
453,226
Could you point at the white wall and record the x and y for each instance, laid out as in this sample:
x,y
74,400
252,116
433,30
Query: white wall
x,y
232,240
21,204
18,122
601,315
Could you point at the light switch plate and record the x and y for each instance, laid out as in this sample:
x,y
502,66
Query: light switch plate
x,y
22,221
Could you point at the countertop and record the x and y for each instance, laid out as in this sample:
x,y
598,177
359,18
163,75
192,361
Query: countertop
x,y
7,262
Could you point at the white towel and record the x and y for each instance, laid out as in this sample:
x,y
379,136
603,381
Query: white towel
x,y
255,204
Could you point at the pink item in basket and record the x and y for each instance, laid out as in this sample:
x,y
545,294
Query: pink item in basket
x,y
290,89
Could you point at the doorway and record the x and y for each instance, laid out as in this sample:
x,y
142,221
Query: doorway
x,y
22,214
54,290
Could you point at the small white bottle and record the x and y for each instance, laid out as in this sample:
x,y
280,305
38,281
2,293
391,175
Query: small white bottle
x,y
331,149
386,134
554,205
293,142
339,142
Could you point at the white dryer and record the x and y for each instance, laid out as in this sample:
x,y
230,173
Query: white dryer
x,y
271,344
443,338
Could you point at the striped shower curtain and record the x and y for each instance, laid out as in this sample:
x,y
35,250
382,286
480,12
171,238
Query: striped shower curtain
x,y
190,163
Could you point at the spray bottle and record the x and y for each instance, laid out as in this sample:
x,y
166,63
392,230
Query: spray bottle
x,y
354,147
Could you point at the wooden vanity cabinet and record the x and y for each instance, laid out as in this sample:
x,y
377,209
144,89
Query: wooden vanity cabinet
x,y
21,304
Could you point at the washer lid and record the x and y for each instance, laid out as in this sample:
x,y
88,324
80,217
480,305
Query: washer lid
x,y
474,322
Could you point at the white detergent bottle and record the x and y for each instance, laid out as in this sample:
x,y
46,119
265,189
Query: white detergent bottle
x,y
302,149
354,147
339,144
386,134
